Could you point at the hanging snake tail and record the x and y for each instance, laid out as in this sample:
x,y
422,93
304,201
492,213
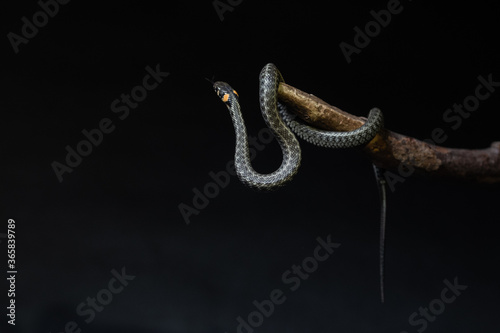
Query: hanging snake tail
x,y
284,127
382,194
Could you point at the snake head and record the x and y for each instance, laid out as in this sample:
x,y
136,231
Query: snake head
x,y
225,92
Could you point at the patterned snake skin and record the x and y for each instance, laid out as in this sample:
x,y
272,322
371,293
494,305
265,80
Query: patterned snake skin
x,y
283,126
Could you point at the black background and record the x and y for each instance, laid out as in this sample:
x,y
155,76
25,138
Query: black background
x,y
120,206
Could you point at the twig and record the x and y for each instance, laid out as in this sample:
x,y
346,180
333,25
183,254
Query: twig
x,y
396,152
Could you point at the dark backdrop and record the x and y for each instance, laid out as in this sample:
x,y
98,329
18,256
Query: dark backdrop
x,y
119,210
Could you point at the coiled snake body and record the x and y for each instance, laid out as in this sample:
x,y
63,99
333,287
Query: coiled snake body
x,y
285,127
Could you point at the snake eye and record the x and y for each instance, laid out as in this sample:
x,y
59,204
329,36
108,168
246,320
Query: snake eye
x,y
217,88
225,92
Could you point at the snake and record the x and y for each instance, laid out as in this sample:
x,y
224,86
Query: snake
x,y
286,129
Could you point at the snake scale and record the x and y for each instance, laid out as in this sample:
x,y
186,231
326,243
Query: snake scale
x,y
285,129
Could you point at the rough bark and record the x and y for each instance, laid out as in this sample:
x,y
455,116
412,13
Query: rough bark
x,y
395,152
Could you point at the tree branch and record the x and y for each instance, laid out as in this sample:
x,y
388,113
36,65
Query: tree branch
x,y
396,152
